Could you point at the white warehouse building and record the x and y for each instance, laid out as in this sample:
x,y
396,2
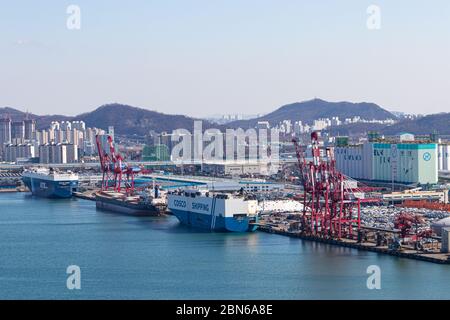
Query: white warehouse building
x,y
387,162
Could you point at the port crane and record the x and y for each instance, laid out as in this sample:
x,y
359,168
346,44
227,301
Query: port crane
x,y
411,224
331,201
115,171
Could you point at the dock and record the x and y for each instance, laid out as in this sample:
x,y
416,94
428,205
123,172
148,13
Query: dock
x,y
10,190
87,195
434,257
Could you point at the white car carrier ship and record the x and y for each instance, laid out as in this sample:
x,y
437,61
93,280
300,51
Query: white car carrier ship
x,y
49,183
214,211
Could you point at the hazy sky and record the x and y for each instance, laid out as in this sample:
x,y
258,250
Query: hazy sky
x,y
203,57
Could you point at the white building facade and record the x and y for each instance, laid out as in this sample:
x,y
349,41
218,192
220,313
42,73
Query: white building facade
x,y
386,162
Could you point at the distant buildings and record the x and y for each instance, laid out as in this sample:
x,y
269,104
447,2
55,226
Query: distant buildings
x,y
58,153
49,154
321,124
5,131
157,152
223,119
299,127
285,127
19,152
18,131
29,128
406,137
263,125
444,157
62,142
335,122
66,142
236,168
156,145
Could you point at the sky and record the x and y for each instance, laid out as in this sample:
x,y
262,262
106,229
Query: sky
x,y
204,57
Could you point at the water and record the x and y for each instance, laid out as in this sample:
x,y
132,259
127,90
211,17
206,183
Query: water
x,y
124,257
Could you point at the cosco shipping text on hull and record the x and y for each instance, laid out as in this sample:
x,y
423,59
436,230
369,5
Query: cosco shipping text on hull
x,y
219,212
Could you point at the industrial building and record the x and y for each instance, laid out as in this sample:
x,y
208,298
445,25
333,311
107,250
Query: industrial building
x,y
216,184
440,196
236,168
400,162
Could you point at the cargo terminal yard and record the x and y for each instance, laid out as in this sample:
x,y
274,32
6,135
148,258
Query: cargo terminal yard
x,y
281,212
322,204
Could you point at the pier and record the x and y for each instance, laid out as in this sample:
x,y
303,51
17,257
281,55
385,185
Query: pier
x,y
410,253
86,195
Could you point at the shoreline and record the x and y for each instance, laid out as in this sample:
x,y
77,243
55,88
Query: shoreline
x,y
439,258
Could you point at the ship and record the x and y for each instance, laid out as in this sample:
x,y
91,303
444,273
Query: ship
x,y
223,212
140,204
49,183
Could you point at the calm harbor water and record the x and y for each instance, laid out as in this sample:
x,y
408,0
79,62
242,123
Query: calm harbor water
x,y
123,257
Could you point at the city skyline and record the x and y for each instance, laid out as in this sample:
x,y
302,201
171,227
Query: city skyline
x,y
196,58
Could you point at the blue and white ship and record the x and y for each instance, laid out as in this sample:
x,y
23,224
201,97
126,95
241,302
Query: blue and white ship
x,y
49,183
214,211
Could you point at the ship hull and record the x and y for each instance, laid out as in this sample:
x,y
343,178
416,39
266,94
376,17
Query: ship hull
x,y
120,206
50,189
217,223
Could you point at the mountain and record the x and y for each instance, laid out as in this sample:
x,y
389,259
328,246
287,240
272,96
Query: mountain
x,y
425,125
127,120
439,122
311,110
42,122
131,120
13,113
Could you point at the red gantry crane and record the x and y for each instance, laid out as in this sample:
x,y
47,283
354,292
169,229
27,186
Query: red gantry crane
x,y
114,167
331,201
411,225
